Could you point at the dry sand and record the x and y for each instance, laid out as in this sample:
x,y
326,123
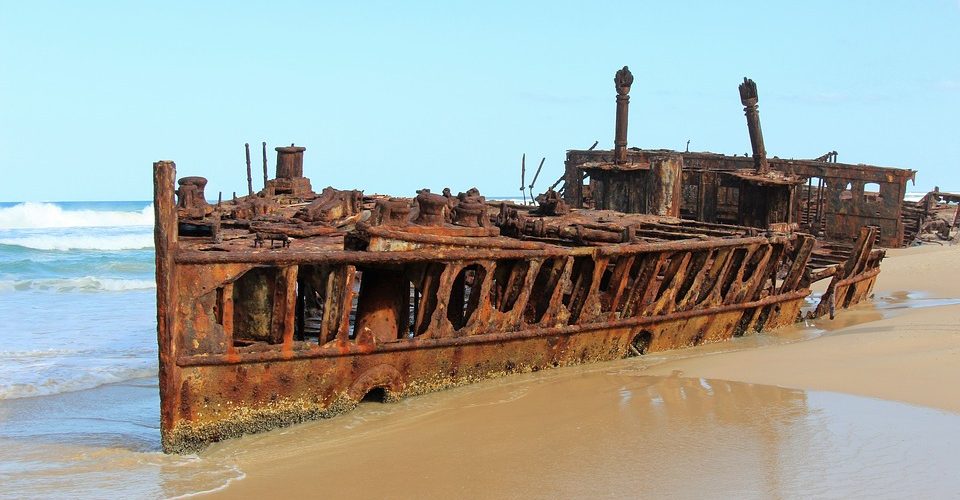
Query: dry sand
x,y
755,417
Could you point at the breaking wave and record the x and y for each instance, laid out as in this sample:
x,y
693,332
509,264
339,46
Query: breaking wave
x,y
37,215
82,284
76,381
134,241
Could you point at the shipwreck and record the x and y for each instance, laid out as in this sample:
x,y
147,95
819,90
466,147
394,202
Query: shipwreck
x,y
287,304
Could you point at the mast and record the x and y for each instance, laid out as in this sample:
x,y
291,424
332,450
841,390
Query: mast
x,y
623,80
748,97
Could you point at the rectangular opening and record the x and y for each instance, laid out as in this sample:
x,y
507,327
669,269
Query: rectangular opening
x,y
871,192
253,304
354,302
311,303
218,307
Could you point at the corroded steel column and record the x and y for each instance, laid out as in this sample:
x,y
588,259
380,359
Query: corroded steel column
x,y
165,244
748,97
264,164
246,147
623,80
290,162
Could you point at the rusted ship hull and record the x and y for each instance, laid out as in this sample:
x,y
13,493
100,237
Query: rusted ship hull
x,y
530,307
288,305
226,400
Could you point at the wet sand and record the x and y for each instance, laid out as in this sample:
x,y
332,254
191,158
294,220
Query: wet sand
x,y
612,433
865,405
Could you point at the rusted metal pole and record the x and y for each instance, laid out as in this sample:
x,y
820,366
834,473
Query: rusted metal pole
x,y
622,80
537,174
748,97
246,148
523,177
165,242
264,165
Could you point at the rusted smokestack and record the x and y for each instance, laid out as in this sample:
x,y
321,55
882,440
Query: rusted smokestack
x,y
748,97
623,80
290,162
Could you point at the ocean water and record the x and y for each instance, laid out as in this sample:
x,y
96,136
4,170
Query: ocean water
x,y
77,299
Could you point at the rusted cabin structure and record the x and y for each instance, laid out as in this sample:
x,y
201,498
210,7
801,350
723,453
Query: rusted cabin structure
x,y
825,198
289,304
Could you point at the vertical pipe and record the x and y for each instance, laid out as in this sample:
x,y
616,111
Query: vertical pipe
x,y
264,165
165,243
289,306
748,97
622,80
346,303
246,147
226,316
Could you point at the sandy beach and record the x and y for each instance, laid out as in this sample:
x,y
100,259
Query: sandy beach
x,y
864,405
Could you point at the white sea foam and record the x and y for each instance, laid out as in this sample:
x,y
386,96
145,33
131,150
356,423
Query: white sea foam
x,y
239,476
134,241
82,284
77,381
33,215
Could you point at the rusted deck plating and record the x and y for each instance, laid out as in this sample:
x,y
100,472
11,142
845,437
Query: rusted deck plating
x,y
288,305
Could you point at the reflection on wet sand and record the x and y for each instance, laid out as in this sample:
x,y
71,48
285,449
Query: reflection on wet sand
x,y
613,432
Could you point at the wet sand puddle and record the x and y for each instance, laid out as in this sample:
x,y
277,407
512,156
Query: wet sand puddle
x,y
605,429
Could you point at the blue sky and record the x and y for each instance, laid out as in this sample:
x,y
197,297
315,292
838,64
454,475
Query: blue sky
x,y
391,97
